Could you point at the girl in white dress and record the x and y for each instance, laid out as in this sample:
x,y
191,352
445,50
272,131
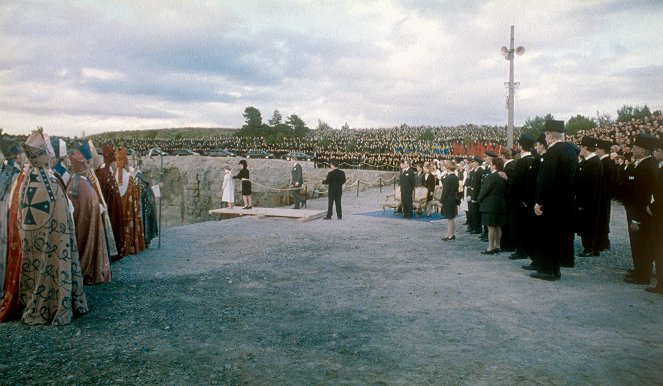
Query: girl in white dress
x,y
228,188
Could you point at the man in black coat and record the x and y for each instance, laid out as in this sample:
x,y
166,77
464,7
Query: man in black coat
x,y
335,179
610,183
507,242
589,197
406,181
473,186
655,210
555,201
521,216
637,189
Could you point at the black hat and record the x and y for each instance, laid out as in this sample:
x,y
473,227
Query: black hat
x,y
491,153
477,159
242,162
553,125
605,145
645,141
589,142
542,139
526,140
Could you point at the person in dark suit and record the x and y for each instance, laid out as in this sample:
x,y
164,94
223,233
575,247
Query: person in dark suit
x,y
406,181
521,216
296,182
529,200
335,179
449,200
655,210
507,242
554,201
609,187
474,185
428,183
638,186
589,197
493,205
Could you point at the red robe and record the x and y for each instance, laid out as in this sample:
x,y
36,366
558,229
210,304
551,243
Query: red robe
x,y
133,234
90,232
9,309
113,200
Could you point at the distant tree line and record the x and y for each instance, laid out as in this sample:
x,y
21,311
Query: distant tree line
x,y
275,130
577,123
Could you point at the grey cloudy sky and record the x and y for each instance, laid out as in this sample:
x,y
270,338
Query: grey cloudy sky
x,y
113,65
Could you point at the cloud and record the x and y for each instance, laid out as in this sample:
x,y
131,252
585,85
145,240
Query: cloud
x,y
124,65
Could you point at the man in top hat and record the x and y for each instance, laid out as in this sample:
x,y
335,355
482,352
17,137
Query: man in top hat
x,y
474,186
655,210
507,241
637,189
554,200
589,195
609,187
521,215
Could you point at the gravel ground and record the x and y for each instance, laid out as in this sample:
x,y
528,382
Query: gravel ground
x,y
364,300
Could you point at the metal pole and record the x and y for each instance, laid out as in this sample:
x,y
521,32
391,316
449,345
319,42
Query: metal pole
x,y
380,179
357,187
509,128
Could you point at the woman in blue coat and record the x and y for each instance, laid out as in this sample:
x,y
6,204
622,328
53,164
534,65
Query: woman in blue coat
x,y
492,204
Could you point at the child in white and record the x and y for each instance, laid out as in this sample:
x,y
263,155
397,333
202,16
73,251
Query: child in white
x,y
228,188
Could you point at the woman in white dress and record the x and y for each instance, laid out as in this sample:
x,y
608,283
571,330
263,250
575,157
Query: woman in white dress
x,y
228,188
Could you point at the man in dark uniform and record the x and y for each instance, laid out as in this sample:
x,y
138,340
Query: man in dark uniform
x,y
554,201
589,197
335,179
638,186
610,182
655,210
406,181
521,216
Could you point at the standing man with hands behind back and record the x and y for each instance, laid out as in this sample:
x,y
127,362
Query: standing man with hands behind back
x,y
335,179
296,182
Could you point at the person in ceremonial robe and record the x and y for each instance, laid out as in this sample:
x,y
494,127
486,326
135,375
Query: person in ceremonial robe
x,y
10,177
522,215
111,193
589,195
51,283
148,206
88,219
609,187
554,201
132,224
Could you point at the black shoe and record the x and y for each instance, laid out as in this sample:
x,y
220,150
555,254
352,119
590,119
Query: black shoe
x,y
529,267
491,251
633,280
326,218
449,238
247,207
340,217
517,256
545,276
484,239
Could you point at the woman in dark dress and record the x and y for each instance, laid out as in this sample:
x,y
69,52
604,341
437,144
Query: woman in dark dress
x,y
449,200
246,185
492,204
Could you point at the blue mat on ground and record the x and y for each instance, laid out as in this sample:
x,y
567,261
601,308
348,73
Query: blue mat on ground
x,y
389,214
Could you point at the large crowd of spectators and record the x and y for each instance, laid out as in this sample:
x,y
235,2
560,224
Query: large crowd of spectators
x,y
382,148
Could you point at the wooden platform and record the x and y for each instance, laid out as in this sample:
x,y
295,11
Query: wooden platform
x,y
301,215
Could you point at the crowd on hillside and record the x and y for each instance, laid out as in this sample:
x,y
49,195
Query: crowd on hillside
x,y
382,148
